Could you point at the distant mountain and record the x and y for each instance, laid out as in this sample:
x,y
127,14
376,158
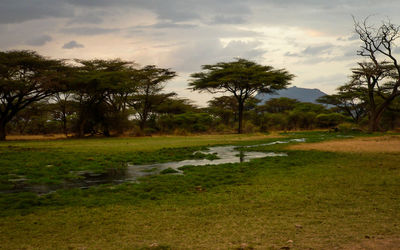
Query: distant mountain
x,y
301,94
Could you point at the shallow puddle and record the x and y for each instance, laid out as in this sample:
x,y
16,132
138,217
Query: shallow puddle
x,y
223,154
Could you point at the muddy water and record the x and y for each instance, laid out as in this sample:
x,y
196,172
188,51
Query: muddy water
x,y
224,154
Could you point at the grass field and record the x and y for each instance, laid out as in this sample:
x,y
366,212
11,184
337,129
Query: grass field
x,y
311,199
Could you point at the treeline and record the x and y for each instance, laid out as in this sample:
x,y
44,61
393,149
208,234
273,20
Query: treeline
x,y
113,97
110,97
39,95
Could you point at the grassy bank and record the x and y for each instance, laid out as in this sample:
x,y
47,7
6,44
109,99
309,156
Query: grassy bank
x,y
310,199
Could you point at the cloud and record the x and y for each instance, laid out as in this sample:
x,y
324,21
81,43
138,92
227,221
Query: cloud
x,y
187,34
12,11
39,41
89,31
73,45
223,19
190,57
333,79
88,16
166,25
352,37
317,49
314,51
291,54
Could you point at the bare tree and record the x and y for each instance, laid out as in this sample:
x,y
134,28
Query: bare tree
x,y
380,76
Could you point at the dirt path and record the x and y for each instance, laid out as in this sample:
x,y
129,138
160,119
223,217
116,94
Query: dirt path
x,y
384,144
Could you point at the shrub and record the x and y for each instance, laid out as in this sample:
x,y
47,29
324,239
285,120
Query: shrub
x,y
329,120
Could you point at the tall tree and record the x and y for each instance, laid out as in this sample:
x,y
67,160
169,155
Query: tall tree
x,y
151,82
348,100
381,75
102,88
25,77
242,78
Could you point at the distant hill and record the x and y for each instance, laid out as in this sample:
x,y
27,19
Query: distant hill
x,y
301,94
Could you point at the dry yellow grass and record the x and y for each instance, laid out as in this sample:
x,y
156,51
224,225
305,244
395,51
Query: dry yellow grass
x,y
384,144
253,136
35,137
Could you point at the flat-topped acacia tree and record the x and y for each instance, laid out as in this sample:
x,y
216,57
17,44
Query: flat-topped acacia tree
x,y
242,78
25,78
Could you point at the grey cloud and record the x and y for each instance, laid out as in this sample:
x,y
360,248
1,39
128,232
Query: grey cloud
x,y
223,19
291,54
73,45
39,41
173,10
190,57
312,50
317,49
94,17
325,53
89,31
12,11
352,37
196,32
165,25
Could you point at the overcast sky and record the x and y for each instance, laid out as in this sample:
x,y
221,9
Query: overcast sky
x,y
312,39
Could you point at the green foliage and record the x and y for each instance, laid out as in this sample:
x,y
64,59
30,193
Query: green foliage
x,y
169,171
348,127
242,78
279,105
148,96
25,78
329,120
190,122
328,194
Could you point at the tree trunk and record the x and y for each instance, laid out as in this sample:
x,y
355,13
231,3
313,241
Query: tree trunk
x,y
2,131
374,121
240,128
81,129
143,121
65,130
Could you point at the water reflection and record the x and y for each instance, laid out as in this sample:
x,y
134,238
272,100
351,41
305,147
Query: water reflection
x,y
224,154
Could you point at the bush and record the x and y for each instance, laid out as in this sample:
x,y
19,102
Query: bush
x,y
189,122
347,127
329,120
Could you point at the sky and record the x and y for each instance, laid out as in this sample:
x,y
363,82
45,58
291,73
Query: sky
x,y
312,39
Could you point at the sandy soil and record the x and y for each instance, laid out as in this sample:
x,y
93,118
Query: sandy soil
x,y
385,144
375,244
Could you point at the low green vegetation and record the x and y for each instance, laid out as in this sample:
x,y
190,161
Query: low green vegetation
x,y
309,199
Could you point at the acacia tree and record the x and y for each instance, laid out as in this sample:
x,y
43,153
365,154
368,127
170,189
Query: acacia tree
x,y
380,77
25,78
149,94
242,78
348,100
101,89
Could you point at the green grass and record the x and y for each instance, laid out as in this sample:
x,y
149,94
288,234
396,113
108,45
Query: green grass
x,y
318,200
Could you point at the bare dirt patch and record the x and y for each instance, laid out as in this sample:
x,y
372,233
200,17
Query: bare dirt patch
x,y
372,244
383,144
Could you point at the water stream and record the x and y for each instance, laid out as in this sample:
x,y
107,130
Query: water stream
x,y
223,154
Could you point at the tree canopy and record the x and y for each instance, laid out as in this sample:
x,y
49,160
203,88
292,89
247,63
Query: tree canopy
x,y
242,78
25,78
